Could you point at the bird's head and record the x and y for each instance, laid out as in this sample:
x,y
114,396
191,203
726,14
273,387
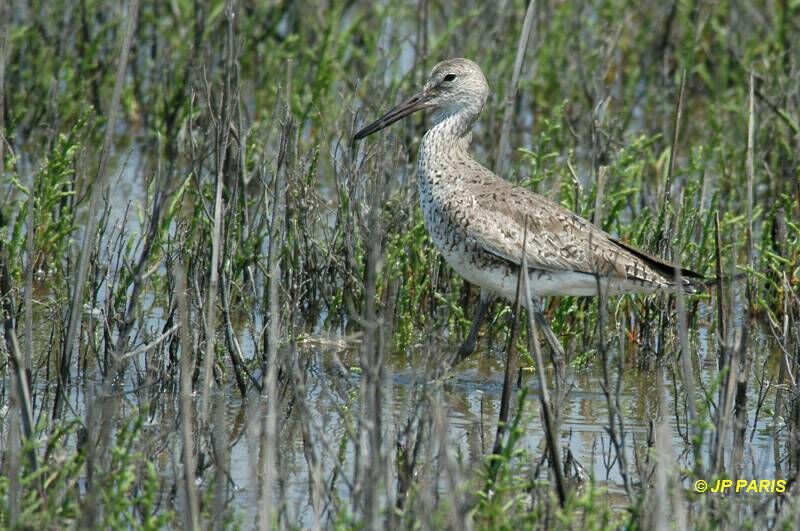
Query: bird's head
x,y
453,86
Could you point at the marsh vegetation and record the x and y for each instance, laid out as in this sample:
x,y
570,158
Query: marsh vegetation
x,y
218,313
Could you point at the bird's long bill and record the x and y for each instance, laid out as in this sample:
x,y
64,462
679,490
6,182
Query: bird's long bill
x,y
413,104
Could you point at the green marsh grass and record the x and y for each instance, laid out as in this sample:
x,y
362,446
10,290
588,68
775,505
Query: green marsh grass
x,y
216,313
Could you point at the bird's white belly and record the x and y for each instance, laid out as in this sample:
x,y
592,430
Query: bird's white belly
x,y
503,281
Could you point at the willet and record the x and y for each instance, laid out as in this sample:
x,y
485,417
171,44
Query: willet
x,y
477,220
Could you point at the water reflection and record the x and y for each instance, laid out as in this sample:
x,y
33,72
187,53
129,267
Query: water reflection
x,y
471,400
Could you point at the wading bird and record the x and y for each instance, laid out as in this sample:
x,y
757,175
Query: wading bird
x,y
478,220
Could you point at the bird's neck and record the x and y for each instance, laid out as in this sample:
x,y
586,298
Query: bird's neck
x,y
450,136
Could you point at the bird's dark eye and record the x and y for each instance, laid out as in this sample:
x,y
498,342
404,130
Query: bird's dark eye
x,y
450,77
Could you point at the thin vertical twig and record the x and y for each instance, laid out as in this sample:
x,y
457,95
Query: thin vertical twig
x,y
686,362
269,396
223,136
613,393
676,129
13,461
28,293
597,216
722,362
12,443
191,514
19,406
23,393
750,169
683,332
722,332
667,508
372,367
20,399
744,356
501,162
544,395
3,52
729,377
511,359
219,440
97,187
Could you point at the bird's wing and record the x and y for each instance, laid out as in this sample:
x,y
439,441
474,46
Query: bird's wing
x,y
557,239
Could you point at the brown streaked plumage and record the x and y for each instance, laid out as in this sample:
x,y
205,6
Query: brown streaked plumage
x,y
477,220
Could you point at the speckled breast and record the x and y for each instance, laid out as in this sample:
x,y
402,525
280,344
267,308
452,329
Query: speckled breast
x,y
446,214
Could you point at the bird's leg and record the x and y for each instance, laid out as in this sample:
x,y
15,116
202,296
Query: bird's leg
x,y
538,313
468,346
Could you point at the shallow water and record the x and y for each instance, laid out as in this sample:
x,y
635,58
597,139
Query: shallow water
x,y
471,402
